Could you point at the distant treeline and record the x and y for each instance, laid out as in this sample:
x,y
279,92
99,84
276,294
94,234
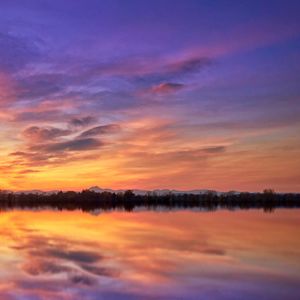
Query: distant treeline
x,y
88,201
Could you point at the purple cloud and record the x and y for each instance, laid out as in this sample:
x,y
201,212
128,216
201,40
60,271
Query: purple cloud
x,y
99,130
167,87
82,121
73,145
44,134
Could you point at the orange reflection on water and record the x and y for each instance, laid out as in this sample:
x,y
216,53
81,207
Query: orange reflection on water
x,y
150,255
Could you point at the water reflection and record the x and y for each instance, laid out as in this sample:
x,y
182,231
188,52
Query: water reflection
x,y
150,255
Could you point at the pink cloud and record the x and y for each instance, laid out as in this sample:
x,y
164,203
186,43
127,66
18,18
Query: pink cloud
x,y
42,134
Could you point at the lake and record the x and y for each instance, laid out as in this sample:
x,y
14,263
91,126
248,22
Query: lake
x,y
242,254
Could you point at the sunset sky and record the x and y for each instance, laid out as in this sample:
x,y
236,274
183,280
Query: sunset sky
x,y
150,94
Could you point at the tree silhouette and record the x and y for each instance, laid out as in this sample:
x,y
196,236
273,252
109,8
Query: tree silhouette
x,y
89,200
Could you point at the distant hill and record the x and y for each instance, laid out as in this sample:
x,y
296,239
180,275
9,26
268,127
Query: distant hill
x,y
38,192
159,192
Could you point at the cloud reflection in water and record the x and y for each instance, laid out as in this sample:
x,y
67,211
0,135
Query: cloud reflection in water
x,y
149,255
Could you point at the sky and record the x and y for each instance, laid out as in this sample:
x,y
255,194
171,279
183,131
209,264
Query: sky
x,y
150,94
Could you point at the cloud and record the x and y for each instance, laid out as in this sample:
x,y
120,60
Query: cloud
x,y
272,121
43,267
72,255
167,87
146,67
46,112
28,171
99,130
214,251
45,258
185,159
44,156
82,121
155,73
73,145
99,271
37,267
7,94
41,116
45,146
185,66
31,156
81,279
76,81
216,149
41,85
41,134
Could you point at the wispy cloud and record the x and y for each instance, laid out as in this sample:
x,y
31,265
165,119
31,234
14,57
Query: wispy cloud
x,y
100,130
82,122
73,145
166,87
44,134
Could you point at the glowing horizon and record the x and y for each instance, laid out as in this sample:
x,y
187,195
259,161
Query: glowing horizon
x,y
174,94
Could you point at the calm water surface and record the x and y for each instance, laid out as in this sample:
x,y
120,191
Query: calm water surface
x,y
150,255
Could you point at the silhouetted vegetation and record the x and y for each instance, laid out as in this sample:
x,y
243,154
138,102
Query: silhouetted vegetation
x,y
88,200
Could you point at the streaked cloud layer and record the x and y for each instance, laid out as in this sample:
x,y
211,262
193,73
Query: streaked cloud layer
x,y
174,94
